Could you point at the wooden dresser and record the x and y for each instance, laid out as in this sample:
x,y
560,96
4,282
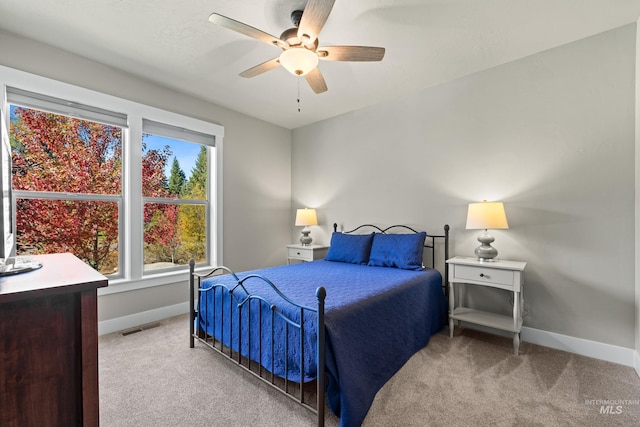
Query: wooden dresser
x,y
49,344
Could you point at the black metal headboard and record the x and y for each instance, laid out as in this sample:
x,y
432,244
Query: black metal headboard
x,y
429,242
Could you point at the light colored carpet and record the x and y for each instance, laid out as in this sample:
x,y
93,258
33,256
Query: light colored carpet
x,y
153,378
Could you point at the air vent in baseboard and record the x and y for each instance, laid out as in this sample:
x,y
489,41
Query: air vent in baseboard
x,y
139,329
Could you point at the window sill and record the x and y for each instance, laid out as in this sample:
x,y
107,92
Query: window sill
x,y
160,279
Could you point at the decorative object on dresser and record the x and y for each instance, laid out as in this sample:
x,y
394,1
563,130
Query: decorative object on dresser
x,y
305,252
49,346
273,322
304,218
501,274
484,216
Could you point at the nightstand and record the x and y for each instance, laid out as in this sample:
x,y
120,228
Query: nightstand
x,y
306,252
501,274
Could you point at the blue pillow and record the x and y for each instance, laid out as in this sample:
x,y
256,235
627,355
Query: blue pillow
x,y
398,250
351,248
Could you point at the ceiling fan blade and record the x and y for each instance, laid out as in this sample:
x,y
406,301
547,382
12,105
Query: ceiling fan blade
x,y
261,68
245,29
314,16
351,53
316,81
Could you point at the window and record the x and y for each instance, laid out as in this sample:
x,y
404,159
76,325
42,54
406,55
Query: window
x,y
67,179
175,187
132,190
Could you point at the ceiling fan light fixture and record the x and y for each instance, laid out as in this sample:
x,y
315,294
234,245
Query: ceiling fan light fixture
x,y
298,60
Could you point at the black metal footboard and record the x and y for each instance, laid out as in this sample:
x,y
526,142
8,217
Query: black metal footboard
x,y
238,330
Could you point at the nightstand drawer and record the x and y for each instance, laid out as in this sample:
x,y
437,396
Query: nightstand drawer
x,y
306,252
300,253
480,274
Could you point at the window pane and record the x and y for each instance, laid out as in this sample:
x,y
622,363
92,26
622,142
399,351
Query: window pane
x,y
173,234
57,153
88,229
173,168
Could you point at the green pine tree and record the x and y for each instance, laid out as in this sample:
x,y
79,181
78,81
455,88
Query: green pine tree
x,y
197,185
177,178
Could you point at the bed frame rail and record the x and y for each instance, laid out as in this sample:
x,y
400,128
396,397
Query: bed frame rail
x,y
242,331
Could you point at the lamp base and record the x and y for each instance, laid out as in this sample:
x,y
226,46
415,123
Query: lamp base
x,y
486,252
306,240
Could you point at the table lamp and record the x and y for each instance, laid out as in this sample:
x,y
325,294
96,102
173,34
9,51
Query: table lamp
x,y
306,217
484,216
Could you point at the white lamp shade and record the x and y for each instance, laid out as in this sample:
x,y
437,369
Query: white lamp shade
x,y
305,217
486,215
298,60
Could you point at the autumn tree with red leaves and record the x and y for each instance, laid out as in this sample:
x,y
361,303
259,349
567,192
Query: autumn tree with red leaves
x,y
59,156
160,233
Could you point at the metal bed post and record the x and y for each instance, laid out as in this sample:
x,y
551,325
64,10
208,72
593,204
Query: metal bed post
x,y
446,257
192,311
321,293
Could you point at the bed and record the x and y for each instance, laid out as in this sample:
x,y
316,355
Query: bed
x,y
334,329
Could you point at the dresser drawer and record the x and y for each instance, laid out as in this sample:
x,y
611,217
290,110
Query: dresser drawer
x,y
483,274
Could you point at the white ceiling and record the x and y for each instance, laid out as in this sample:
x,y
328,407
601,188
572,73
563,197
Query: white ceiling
x,y
427,42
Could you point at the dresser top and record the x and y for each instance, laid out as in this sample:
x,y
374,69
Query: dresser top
x,y
59,273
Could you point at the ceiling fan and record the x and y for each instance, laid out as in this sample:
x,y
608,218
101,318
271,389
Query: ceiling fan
x,y
300,51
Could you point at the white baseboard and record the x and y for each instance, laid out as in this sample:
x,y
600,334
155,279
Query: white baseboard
x,y
597,350
137,319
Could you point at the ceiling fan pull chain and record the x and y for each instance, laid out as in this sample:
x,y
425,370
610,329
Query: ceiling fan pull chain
x,y
298,93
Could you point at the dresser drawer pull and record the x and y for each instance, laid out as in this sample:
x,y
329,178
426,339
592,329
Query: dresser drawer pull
x,y
483,275
298,253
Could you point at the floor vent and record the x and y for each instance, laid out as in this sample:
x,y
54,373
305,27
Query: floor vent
x,y
140,329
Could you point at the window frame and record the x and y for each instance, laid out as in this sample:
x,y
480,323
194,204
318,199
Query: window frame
x,y
21,98
193,137
131,274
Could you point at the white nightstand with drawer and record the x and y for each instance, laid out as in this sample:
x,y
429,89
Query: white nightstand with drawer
x,y
501,274
306,252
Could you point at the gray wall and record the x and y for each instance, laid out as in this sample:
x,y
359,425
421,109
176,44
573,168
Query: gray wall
x,y
257,166
551,135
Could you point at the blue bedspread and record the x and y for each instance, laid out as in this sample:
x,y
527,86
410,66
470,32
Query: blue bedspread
x,y
376,319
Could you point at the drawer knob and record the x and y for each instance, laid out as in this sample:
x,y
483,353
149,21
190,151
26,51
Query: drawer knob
x,y
482,275
298,253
